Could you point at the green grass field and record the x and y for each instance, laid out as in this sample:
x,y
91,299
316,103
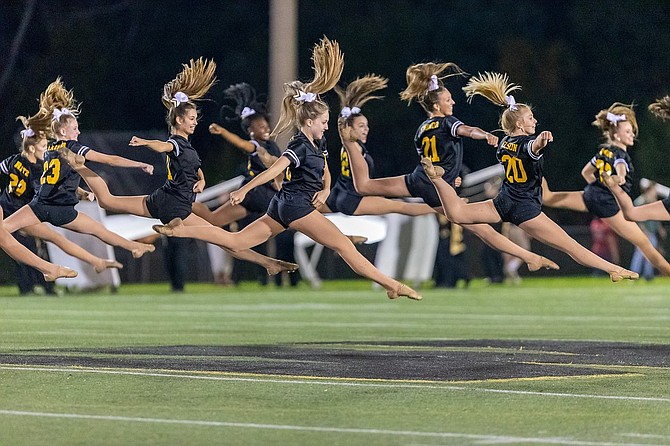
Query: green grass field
x,y
575,361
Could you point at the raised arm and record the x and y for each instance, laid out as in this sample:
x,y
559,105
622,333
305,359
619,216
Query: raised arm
x,y
240,143
271,172
477,133
541,141
153,144
117,161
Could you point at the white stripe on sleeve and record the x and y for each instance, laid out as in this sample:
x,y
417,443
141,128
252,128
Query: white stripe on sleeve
x,y
291,155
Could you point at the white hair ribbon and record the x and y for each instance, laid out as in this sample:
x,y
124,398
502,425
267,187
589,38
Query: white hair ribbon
x,y
511,102
246,112
179,98
346,111
611,117
58,112
305,97
434,83
27,132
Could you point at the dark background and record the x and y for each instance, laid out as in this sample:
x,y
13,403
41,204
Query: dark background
x,y
572,58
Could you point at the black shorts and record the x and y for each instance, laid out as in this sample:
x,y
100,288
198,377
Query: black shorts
x,y
285,209
258,199
599,202
343,200
419,185
666,203
56,215
516,211
166,207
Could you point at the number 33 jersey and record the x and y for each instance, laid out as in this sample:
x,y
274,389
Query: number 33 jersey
x,y
59,182
523,168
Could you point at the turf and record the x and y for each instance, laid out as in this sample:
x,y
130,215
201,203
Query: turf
x,y
553,361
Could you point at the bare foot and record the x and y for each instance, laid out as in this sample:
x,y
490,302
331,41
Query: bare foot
x,y
72,158
403,290
169,228
106,264
279,266
357,239
542,263
61,271
433,172
622,273
142,249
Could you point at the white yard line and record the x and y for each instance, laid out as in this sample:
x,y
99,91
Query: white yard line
x,y
490,439
322,381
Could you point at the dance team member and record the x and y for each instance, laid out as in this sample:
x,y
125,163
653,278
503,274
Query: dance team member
x,y
307,181
261,152
619,128
520,198
184,176
24,170
440,139
57,195
658,210
343,196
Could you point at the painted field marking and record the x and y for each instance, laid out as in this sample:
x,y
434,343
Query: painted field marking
x,y
322,429
342,382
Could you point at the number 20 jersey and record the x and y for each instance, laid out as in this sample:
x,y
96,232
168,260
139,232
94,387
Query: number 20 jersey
x,y
523,168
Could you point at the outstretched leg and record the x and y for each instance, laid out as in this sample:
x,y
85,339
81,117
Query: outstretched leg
x,y
44,232
86,225
548,232
237,243
385,187
135,205
632,232
650,211
572,200
22,254
323,231
380,205
221,216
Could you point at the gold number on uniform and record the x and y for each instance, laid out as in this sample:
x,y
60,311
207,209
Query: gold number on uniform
x,y
603,166
514,170
344,160
169,172
16,185
430,148
287,174
51,172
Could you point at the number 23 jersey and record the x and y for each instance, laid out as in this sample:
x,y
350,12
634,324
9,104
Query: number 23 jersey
x,y
59,181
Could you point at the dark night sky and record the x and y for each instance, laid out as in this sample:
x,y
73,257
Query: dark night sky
x,y
572,58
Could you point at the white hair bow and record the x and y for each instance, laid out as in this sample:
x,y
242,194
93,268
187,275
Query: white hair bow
x,y
611,117
58,112
28,132
434,83
511,102
305,97
346,111
179,98
246,112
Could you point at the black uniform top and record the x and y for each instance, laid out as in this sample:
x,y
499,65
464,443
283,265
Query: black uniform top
x,y
606,160
183,163
344,180
254,164
437,139
59,181
24,181
523,168
305,173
